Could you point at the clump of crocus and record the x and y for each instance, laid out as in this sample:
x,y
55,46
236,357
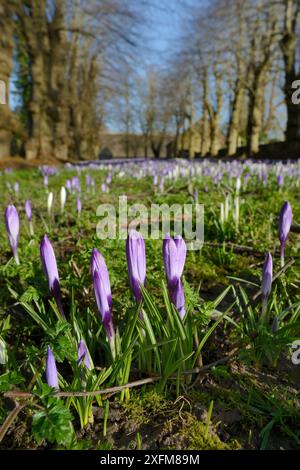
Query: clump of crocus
x,y
174,254
285,222
12,228
83,355
103,297
63,198
266,285
51,371
28,211
136,262
50,269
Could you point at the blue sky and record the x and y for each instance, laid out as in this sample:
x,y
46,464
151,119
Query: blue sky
x,y
159,35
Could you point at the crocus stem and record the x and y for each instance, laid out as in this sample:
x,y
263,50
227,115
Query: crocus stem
x,y
282,254
60,307
16,258
31,230
112,343
264,308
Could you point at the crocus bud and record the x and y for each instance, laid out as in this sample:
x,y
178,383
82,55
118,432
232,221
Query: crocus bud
x,y
49,202
16,188
12,229
83,355
98,264
78,205
285,222
50,269
280,180
63,198
69,185
267,277
103,305
28,210
51,371
222,214
196,195
174,254
226,207
236,211
136,262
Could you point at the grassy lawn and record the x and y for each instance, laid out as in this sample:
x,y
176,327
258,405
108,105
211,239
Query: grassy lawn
x,y
220,378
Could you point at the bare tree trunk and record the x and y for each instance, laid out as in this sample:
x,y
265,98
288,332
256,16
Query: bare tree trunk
x,y
6,61
234,123
255,118
289,46
191,134
215,117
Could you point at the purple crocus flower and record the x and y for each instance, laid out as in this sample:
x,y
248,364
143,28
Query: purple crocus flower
x,y
136,262
28,210
78,205
280,180
16,188
267,277
69,185
51,371
88,181
83,355
174,254
12,229
46,181
51,272
98,264
285,222
103,305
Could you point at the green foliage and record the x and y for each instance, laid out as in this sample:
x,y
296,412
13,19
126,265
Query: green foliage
x,y
53,423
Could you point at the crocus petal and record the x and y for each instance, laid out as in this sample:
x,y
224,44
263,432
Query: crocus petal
x,y
12,228
267,276
63,198
285,221
136,262
177,298
28,210
51,371
174,254
83,354
78,205
98,263
49,263
50,269
102,304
